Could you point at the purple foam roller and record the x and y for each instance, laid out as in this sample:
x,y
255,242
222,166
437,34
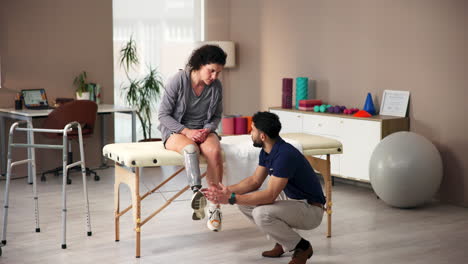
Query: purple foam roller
x,y
287,93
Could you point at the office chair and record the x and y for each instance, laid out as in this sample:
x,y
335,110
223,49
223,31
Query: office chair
x,y
81,111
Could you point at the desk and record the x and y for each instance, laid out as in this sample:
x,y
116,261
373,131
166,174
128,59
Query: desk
x,y
28,115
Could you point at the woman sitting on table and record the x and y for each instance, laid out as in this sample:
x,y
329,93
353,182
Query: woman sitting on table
x,y
189,114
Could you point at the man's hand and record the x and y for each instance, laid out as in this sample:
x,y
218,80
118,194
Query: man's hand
x,y
217,194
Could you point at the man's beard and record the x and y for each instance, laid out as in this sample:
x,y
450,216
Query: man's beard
x,y
258,144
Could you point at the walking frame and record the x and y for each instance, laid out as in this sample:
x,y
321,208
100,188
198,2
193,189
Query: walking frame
x,y
31,161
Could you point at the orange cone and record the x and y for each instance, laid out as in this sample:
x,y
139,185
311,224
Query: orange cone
x,y
362,113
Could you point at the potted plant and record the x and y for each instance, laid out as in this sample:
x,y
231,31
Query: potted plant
x,y
141,94
81,84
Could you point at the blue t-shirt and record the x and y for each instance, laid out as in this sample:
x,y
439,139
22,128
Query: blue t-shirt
x,y
285,161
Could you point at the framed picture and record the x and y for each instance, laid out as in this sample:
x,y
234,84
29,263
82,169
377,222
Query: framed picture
x,y
394,103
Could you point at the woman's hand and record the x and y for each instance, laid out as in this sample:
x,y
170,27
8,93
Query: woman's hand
x,y
193,134
196,135
201,135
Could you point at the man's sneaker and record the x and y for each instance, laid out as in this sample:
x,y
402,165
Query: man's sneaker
x,y
214,219
198,205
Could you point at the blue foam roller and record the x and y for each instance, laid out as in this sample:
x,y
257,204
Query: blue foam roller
x,y
302,87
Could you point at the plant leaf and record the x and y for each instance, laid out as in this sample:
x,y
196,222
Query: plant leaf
x,y
129,55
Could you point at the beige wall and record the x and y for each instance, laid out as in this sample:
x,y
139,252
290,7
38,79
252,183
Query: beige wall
x,y
217,28
355,47
46,44
349,47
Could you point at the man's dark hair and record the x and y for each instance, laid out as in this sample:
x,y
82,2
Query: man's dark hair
x,y
206,54
268,123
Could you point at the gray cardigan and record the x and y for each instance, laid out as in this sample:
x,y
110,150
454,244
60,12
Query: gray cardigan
x,y
174,102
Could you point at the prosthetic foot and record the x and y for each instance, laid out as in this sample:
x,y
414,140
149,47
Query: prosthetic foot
x,y
198,205
194,178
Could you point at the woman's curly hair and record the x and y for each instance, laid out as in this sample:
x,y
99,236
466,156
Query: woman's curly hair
x,y
206,54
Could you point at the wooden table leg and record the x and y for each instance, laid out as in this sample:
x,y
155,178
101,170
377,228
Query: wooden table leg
x,y
323,166
132,180
123,175
117,210
137,210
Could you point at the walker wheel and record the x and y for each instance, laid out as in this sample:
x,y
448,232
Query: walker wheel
x,y
96,178
69,181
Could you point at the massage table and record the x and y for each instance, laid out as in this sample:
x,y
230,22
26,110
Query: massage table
x,y
130,158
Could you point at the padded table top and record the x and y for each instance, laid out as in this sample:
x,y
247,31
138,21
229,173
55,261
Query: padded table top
x,y
147,154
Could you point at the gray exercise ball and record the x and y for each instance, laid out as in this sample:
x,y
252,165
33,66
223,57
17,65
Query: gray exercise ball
x,y
405,170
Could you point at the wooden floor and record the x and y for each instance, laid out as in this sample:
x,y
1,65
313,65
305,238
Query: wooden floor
x,y
365,230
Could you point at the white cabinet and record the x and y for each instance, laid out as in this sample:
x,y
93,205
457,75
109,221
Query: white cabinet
x,y
290,122
359,136
359,140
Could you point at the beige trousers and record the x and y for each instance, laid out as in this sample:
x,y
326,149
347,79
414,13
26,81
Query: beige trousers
x,y
277,220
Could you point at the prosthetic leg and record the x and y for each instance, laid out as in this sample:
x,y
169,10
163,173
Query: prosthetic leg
x,y
194,179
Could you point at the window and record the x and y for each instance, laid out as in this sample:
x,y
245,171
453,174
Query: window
x,y
165,32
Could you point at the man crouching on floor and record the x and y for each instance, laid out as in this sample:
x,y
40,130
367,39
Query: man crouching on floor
x,y
290,172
